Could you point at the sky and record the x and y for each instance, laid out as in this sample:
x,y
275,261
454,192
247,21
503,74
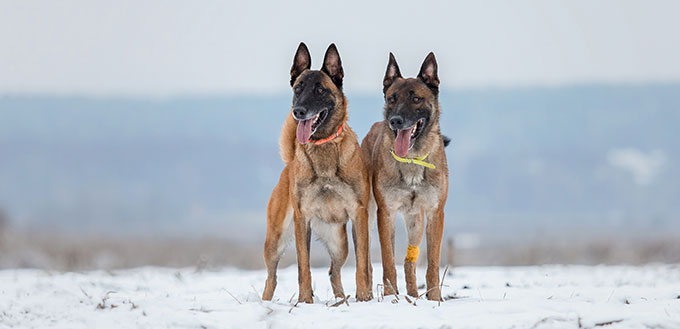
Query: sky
x,y
166,48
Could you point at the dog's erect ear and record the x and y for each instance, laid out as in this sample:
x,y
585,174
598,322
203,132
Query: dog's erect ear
x,y
428,73
391,74
301,62
333,66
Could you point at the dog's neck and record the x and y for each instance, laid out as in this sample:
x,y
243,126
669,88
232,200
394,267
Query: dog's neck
x,y
326,158
429,143
329,138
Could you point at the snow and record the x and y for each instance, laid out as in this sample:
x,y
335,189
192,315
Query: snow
x,y
552,296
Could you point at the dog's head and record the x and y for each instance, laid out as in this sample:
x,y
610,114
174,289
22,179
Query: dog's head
x,y
318,101
411,105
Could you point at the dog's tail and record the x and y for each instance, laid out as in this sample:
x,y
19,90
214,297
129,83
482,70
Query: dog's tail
x,y
287,140
446,140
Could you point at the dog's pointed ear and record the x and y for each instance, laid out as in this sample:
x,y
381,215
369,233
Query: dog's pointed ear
x,y
428,73
301,62
391,74
332,65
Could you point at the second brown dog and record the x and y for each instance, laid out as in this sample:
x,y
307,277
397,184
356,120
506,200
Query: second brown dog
x,y
409,172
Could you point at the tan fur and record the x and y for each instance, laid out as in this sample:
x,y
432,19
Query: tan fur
x,y
287,139
410,189
321,188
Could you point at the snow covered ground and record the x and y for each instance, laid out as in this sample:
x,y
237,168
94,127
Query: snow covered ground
x,y
478,297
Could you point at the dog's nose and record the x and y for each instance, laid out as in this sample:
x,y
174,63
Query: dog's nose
x,y
299,112
396,122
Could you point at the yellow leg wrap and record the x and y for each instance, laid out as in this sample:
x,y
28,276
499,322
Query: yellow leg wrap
x,y
412,253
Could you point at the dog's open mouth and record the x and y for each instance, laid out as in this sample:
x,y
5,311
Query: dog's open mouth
x,y
406,137
306,128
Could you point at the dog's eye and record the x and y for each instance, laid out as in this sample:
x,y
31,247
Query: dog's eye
x,y
298,89
392,99
417,99
320,90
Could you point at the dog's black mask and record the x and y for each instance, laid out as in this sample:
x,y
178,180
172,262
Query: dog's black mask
x,y
410,104
315,93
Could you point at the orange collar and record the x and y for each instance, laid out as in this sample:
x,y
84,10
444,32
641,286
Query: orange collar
x,y
330,138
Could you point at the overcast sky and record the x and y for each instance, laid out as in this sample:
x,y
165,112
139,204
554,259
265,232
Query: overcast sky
x,y
193,47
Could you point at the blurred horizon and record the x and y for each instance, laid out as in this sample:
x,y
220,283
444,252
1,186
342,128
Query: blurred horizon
x,y
524,160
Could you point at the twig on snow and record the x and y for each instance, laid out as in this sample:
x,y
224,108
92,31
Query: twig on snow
x,y
232,296
84,292
294,306
340,302
393,290
606,323
409,300
547,319
441,284
257,293
428,290
381,292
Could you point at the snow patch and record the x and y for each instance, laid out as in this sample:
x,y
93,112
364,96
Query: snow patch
x,y
553,296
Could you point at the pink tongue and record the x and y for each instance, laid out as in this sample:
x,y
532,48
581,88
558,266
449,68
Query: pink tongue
x,y
402,142
304,130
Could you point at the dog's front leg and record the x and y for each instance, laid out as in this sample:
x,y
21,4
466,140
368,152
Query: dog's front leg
x,y
435,231
386,235
414,230
302,242
361,248
277,225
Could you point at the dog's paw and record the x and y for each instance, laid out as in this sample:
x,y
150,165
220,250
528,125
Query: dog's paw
x,y
306,298
268,292
434,294
364,296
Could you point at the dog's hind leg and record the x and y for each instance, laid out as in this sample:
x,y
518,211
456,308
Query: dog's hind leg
x,y
414,229
361,248
334,236
372,214
278,230
435,232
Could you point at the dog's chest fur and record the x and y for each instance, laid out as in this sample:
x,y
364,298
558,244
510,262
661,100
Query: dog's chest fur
x,y
410,190
325,193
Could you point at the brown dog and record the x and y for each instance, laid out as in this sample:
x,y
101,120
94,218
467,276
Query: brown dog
x,y
409,172
324,183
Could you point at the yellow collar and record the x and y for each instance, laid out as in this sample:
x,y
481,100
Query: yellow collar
x,y
416,160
